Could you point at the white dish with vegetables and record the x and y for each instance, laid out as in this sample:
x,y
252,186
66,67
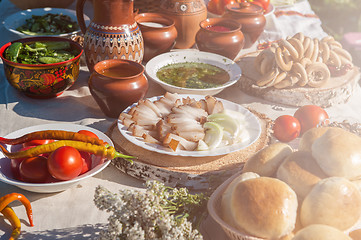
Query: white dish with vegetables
x,y
6,174
63,22
196,132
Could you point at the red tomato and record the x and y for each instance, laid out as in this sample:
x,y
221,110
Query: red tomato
x,y
88,133
286,128
87,161
65,163
37,142
258,3
218,6
87,157
213,6
34,170
311,116
264,3
15,163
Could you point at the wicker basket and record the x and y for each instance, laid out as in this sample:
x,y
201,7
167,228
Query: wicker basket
x,y
144,6
214,209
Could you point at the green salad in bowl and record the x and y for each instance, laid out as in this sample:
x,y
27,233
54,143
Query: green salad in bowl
x,y
48,24
55,22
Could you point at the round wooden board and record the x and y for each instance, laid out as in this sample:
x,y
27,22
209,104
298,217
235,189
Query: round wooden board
x,y
194,173
337,91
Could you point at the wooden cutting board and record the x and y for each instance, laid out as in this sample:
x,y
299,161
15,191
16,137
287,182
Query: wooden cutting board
x,y
193,172
337,91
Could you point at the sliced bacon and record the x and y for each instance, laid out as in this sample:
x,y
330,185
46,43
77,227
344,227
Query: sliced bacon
x,y
154,107
171,121
172,96
193,136
185,144
150,139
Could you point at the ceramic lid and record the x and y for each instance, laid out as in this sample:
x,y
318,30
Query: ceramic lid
x,y
245,8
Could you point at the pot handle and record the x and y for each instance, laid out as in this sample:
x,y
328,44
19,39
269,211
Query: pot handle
x,y
80,15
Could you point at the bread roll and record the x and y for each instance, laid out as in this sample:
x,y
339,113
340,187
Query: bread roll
x,y
333,201
266,161
309,137
320,232
228,212
262,207
301,172
355,234
287,237
357,182
338,153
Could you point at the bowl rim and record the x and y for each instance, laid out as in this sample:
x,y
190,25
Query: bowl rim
x,y
108,63
26,14
151,68
40,39
141,18
233,25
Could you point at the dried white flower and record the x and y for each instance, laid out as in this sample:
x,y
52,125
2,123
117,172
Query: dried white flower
x,y
159,212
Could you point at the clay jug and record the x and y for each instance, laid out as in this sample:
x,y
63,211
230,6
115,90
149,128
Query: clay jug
x,y
220,36
250,16
112,34
187,15
116,84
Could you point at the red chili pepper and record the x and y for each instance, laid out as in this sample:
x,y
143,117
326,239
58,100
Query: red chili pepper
x,y
104,151
5,200
9,214
52,134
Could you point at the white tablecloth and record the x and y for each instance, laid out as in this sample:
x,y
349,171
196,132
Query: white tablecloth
x,y
72,214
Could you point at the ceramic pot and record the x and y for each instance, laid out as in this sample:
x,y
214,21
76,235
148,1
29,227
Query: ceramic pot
x,y
112,34
159,33
116,84
220,36
250,16
187,14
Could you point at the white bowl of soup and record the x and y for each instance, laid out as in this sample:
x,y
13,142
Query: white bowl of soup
x,y
193,72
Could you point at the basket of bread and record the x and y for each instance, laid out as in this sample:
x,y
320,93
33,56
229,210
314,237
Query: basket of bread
x,y
283,193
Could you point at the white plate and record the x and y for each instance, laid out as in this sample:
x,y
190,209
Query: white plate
x,y
165,59
6,175
18,19
253,127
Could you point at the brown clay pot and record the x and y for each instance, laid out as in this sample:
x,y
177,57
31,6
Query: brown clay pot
x,y
220,36
112,34
116,84
159,33
250,16
187,14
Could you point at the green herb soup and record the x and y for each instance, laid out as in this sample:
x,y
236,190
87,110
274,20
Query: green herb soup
x,y
193,75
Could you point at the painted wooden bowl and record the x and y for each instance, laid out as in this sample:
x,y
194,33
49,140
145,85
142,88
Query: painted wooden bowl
x,y
42,80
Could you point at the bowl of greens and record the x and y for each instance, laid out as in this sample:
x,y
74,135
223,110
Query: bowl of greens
x,y
57,22
41,67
